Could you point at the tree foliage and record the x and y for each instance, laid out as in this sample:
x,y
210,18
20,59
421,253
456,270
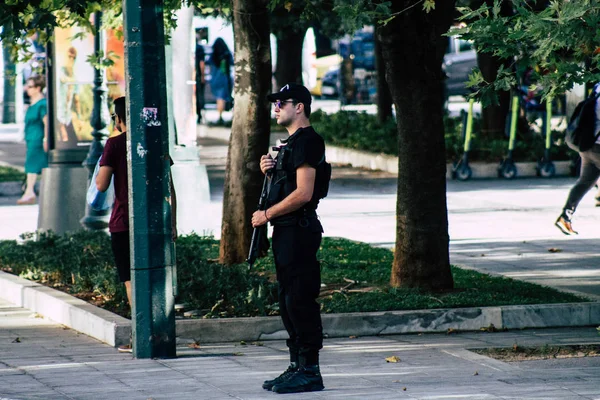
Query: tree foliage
x,y
21,19
557,44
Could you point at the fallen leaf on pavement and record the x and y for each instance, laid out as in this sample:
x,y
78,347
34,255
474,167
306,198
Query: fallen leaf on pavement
x,y
476,373
490,328
17,340
195,345
554,250
392,359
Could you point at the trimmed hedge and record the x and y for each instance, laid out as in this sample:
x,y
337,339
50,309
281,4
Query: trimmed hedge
x,y
362,131
81,264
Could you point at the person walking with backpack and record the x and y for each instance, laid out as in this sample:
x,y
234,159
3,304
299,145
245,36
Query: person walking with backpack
x,y
300,179
583,135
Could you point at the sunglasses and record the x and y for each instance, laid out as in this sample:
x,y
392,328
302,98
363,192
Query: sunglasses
x,y
280,103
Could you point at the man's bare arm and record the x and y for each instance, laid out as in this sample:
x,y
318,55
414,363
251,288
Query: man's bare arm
x,y
103,178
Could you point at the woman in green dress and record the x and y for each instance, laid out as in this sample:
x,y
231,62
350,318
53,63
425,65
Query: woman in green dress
x,y
35,137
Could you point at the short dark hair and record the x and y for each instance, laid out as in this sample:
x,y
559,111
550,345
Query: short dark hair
x,y
306,107
38,81
119,103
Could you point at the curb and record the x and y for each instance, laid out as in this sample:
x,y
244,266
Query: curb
x,y
115,330
65,309
11,188
383,162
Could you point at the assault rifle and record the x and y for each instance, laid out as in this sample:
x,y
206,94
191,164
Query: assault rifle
x,y
258,231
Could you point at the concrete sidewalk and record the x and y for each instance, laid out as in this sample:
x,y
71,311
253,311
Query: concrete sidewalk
x,y
42,360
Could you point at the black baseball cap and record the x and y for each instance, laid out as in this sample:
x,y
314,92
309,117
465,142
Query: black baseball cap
x,y
292,91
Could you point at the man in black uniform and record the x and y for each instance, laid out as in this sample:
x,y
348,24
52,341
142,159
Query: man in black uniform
x,y
300,179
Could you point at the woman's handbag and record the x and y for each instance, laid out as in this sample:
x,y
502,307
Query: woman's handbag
x,y
98,200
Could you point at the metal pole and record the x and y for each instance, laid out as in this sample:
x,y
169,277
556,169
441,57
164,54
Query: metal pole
x,y
50,92
97,220
152,255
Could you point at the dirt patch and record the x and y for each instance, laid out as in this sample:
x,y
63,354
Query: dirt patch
x,y
545,352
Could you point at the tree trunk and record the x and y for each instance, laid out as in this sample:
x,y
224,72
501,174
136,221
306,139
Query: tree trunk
x,y
384,99
289,56
9,95
322,42
493,116
413,49
251,127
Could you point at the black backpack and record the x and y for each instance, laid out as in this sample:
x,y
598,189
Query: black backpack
x,y
322,183
580,135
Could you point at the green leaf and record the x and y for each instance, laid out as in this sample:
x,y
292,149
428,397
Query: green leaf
x,y
429,5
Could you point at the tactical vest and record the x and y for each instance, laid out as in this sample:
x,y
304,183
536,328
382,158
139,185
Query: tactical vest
x,y
283,182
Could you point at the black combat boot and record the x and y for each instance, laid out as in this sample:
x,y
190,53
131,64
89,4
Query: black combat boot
x,y
268,385
305,379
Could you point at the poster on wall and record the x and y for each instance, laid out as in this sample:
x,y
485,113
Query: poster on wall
x,y
74,84
115,74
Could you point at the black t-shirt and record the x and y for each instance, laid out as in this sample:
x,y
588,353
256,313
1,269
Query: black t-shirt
x,y
307,147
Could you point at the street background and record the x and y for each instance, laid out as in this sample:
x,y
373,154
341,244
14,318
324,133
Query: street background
x,y
497,226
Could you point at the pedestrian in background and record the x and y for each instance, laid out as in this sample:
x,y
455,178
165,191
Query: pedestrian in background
x,y
299,181
36,123
114,162
221,85
200,80
588,176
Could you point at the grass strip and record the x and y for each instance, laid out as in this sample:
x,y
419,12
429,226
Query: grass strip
x,y
355,278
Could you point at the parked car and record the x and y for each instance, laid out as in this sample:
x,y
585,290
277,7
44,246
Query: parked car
x,y
323,65
330,84
459,62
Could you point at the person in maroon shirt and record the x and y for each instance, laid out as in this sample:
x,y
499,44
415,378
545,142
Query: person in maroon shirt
x,y
114,162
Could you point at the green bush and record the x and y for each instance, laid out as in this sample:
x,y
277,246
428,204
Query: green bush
x,y
81,264
78,262
9,174
356,130
361,131
528,147
217,290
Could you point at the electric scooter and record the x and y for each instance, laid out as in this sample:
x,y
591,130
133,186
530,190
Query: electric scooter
x,y
507,168
545,167
461,170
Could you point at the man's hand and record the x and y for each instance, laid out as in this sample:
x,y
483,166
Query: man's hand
x,y
266,163
259,218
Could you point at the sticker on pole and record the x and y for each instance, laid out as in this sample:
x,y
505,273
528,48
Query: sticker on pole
x,y
150,116
141,151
